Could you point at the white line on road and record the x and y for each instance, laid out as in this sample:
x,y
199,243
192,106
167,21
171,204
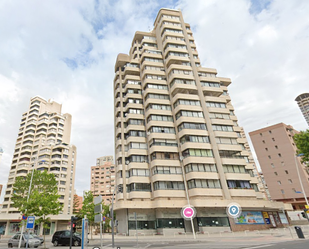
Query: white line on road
x,y
261,246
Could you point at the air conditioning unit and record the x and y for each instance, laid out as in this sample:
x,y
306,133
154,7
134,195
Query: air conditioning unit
x,y
127,162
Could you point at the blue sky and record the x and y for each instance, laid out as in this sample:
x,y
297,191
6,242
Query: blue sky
x,y
66,50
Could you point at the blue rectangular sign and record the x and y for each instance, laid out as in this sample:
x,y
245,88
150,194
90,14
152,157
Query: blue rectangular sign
x,y
30,222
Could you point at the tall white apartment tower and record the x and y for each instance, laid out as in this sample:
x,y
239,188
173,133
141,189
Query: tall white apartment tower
x,y
177,141
43,143
303,103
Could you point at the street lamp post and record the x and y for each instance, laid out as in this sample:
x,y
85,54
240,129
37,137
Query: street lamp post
x,y
112,214
300,181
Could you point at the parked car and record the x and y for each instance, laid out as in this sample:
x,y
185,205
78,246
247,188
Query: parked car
x,y
32,242
36,237
63,238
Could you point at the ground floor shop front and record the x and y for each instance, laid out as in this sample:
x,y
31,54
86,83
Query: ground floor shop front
x,y
12,223
207,220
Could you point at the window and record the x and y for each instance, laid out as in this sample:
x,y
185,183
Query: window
x,y
167,185
287,172
170,223
269,132
194,139
195,114
196,126
157,129
223,140
276,146
156,96
273,139
290,181
210,84
160,118
279,182
199,167
282,191
213,115
143,187
222,128
269,157
166,170
197,152
236,184
234,169
279,155
204,183
263,141
216,104
276,173
187,102
138,172
266,149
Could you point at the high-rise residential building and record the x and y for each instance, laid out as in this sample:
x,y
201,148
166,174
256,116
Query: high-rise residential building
x,y
103,178
177,140
303,103
43,143
276,153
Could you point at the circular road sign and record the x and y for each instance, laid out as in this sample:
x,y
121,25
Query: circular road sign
x,y
188,212
233,210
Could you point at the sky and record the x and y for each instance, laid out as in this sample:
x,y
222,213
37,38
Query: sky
x,y
66,51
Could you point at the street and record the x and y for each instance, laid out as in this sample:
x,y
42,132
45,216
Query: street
x,y
284,238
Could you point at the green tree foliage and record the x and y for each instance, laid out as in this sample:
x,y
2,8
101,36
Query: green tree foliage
x,y
302,143
43,198
88,210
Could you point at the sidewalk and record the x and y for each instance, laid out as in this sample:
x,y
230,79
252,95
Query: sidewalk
x,y
270,235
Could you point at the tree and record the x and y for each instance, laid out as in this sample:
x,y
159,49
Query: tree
x,y
43,197
302,143
88,209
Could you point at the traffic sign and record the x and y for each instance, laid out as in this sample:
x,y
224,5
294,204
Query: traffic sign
x,y
97,200
30,222
24,217
233,210
98,218
104,218
188,212
98,209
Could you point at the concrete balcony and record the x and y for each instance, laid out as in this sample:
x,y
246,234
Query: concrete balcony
x,y
194,192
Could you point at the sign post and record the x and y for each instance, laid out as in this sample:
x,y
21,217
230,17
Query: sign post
x,y
98,214
30,225
84,232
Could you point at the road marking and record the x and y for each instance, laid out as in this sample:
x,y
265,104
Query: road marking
x,y
261,246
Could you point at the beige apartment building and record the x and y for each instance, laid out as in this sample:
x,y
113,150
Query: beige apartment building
x,y
103,178
303,103
177,141
276,152
43,143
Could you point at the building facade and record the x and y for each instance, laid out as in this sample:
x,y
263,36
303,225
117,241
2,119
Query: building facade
x,y
303,103
177,141
276,152
43,143
103,178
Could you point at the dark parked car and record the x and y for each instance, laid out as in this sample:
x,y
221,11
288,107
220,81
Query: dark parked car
x,y
63,238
